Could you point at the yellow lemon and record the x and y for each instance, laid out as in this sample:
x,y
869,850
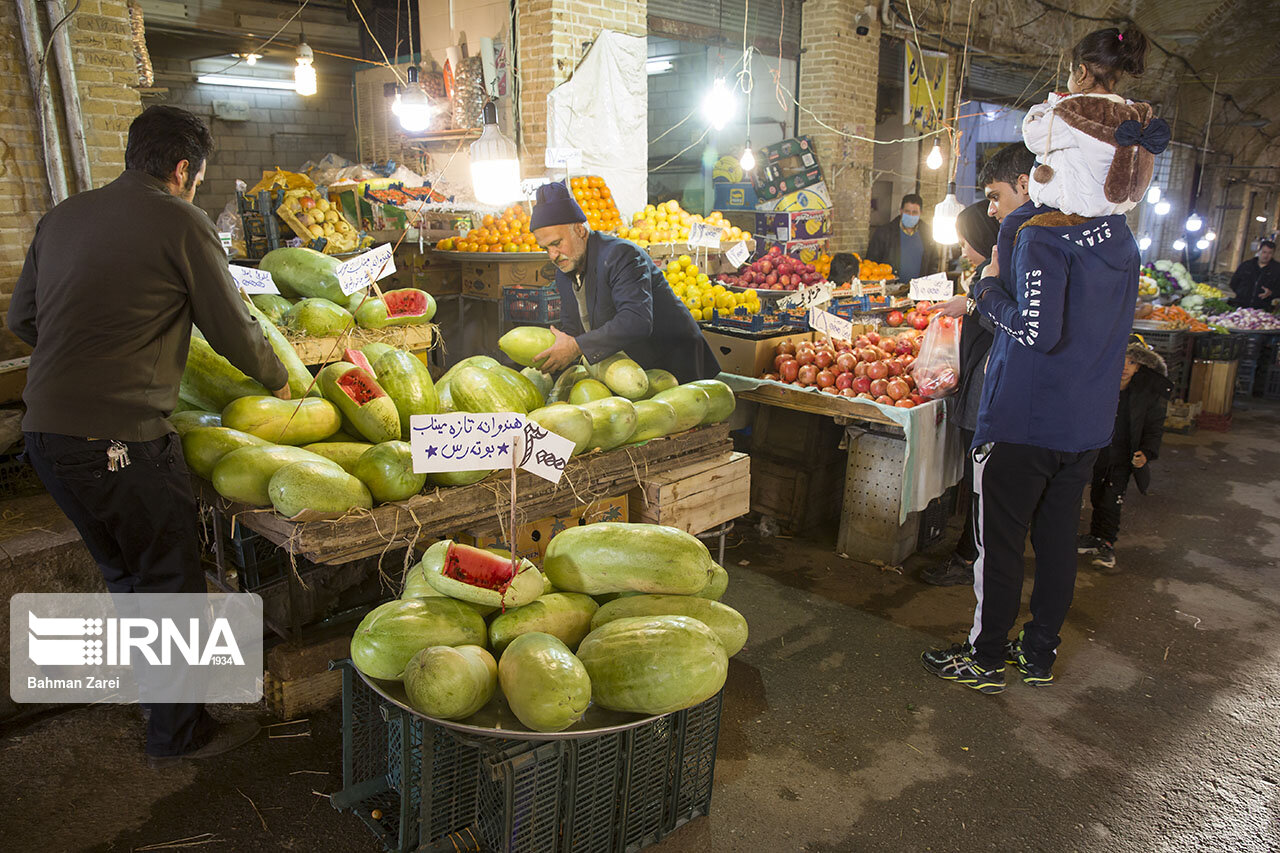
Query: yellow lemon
x,y
697,314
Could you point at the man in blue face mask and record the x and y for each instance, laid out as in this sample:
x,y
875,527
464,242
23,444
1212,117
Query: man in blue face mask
x,y
905,243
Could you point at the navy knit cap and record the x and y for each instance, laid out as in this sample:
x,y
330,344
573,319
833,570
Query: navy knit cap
x,y
555,206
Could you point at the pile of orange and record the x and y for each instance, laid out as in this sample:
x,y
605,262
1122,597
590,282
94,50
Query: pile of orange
x,y
823,265
872,271
596,201
505,232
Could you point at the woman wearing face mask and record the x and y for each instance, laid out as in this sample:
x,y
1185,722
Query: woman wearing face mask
x,y
978,232
905,243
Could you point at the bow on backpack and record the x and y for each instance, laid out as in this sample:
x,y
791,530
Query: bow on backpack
x,y
1154,137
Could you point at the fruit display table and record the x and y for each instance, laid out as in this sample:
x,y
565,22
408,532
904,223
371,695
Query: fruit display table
x,y
320,351
479,509
900,463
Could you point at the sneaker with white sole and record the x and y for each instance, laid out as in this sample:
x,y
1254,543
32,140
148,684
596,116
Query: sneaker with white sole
x,y
958,664
1105,557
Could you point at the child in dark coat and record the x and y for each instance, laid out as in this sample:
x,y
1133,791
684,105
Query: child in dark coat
x,y
1144,395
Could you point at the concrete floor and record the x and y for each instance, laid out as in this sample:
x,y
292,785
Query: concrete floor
x,y
1162,732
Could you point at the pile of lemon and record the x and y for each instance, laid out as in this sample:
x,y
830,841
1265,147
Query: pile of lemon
x,y
669,223
702,296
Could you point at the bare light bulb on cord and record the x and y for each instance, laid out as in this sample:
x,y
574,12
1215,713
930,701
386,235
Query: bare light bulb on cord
x,y
1179,244
934,160
748,161
1144,243
1194,222
304,74
1153,194
945,213
1162,207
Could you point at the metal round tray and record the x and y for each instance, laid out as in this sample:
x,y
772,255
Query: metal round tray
x,y
497,719
496,257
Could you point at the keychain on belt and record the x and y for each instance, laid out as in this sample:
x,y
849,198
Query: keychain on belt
x,y
117,456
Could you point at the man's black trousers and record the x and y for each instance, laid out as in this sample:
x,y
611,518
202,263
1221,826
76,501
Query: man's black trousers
x,y
140,524
1019,487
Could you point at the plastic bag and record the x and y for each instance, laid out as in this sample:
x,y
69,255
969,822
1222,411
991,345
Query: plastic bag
x,y
936,370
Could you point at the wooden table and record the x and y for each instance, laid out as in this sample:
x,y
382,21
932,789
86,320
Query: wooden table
x,y
480,509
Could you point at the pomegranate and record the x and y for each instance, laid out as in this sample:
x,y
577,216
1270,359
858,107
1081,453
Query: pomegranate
x,y
805,356
807,375
894,318
861,384
897,389
877,370
905,404
844,380
879,387
787,348
845,361
824,358
789,370
884,400
825,379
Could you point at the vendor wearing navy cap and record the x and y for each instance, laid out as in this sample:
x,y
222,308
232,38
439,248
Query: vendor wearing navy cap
x,y
613,298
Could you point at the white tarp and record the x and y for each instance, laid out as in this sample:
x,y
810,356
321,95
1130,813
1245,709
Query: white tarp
x,y
604,111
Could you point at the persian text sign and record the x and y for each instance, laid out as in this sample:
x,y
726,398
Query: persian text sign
x,y
363,270
253,280
463,441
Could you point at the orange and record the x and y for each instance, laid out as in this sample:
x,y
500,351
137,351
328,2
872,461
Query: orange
x,y
488,219
510,247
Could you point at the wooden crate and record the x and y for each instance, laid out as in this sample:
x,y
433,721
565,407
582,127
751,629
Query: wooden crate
x,y
295,697
1213,385
810,440
697,497
319,351
799,497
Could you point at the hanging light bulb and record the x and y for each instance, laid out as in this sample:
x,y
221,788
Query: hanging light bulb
x,y
495,166
1162,207
944,218
304,75
1179,244
1194,222
719,105
412,106
748,161
1202,244
1260,218
1144,243
1153,194
934,160
1211,236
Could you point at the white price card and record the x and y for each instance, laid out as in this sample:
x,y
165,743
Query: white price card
x,y
738,254
705,236
564,158
463,441
830,325
808,297
544,453
253,280
363,270
931,287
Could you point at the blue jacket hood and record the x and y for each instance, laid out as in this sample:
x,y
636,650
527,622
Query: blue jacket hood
x,y
1063,321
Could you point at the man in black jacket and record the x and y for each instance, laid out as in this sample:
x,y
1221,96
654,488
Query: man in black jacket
x,y
1256,283
906,242
1144,396
112,283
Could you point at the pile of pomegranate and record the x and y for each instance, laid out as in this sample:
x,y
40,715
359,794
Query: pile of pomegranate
x,y
775,271
870,367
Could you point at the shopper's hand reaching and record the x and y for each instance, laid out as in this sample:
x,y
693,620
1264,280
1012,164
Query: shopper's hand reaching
x,y
953,307
282,393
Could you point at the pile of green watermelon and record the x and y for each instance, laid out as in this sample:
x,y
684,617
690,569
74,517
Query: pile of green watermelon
x,y
625,616
312,302
342,441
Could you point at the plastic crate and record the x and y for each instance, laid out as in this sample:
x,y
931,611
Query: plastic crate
x,y
764,321
531,305
1246,373
615,792
1211,346
1251,346
1271,388
1170,344
17,478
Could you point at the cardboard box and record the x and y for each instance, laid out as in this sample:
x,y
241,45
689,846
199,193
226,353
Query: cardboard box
x,y
796,225
767,189
741,196
487,278
532,538
805,250
13,379
798,149
745,356
813,197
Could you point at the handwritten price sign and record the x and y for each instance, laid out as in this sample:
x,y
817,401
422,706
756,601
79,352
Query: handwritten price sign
x,y
809,297
931,287
253,280
830,325
363,270
462,441
704,236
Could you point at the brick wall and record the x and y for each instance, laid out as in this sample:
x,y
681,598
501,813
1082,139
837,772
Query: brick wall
x,y
551,36
283,129
103,57
838,73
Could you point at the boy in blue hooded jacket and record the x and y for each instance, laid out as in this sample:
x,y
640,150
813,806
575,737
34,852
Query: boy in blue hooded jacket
x,y
1060,290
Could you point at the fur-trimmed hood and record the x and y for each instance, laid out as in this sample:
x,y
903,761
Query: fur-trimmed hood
x,y
1145,357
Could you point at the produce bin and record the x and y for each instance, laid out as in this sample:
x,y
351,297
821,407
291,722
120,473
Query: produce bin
x,y
1271,390
1246,373
531,305
1211,346
436,788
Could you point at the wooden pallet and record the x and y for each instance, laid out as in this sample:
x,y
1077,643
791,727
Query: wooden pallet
x,y
697,497
481,508
292,698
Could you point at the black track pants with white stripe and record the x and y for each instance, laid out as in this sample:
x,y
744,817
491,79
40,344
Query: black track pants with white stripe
x,y
1016,487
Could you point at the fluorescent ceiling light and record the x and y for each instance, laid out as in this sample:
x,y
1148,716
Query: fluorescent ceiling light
x,y
658,66
245,82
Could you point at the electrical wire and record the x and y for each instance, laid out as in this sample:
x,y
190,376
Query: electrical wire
x,y
272,38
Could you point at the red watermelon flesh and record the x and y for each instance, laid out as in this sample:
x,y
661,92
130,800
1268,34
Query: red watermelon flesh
x,y
405,303
478,567
359,359
360,386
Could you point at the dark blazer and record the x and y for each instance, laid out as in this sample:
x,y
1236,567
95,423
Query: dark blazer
x,y
633,309
886,246
1249,280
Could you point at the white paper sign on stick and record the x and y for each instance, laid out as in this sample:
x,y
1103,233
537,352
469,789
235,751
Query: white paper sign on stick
x,y
704,236
253,280
362,270
738,254
808,297
544,453
564,158
830,325
931,287
462,441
